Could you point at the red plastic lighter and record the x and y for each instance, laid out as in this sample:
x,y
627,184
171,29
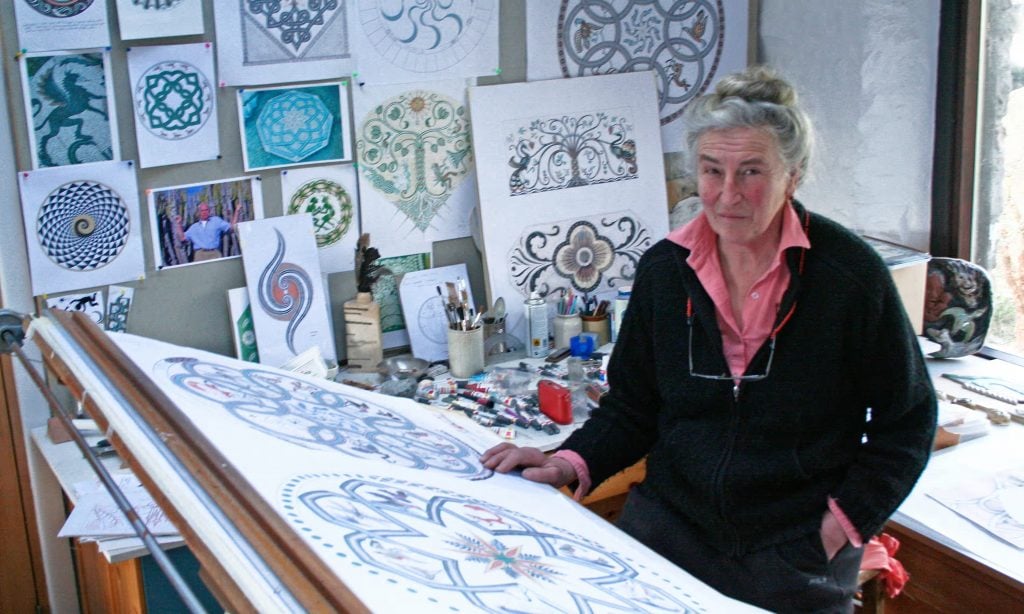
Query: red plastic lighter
x,y
555,401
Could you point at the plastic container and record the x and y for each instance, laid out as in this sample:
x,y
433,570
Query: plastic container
x,y
564,327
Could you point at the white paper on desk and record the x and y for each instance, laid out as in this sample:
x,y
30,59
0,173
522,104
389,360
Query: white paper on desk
x,y
124,481
995,502
424,309
96,514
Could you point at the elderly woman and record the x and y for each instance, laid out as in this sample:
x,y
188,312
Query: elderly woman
x,y
766,369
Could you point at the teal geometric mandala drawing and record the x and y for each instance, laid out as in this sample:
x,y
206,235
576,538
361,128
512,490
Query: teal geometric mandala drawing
x,y
173,100
294,125
331,208
415,150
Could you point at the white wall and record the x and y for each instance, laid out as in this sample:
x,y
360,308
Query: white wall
x,y
866,71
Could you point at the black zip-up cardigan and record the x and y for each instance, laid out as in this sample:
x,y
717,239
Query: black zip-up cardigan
x,y
756,469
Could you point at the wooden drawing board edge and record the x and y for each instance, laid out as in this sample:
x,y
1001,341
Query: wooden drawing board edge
x,y
309,579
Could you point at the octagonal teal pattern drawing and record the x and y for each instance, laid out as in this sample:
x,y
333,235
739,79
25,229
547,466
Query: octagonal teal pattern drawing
x,y
288,126
294,125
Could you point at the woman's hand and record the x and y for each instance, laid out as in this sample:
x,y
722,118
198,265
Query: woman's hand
x,y
536,465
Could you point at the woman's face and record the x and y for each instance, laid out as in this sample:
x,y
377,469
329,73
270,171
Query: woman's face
x,y
744,184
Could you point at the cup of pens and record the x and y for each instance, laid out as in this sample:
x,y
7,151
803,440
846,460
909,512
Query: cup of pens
x,y
465,351
595,320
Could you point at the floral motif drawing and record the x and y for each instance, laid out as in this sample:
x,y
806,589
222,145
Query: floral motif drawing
x,y
415,149
173,100
587,255
70,117
570,151
331,208
83,225
298,26
313,416
680,41
425,35
285,291
457,552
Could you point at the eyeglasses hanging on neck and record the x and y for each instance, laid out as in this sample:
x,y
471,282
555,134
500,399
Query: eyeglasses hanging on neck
x,y
725,376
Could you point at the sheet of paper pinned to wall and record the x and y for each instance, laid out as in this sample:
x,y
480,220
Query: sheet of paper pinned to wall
x,y
119,304
572,185
286,290
330,194
690,44
402,41
71,97
277,42
159,18
82,226
89,303
417,178
174,96
425,298
45,25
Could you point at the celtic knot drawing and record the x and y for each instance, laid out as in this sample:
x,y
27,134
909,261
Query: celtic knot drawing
x,y
680,41
69,109
59,8
569,152
313,416
174,100
331,208
590,254
415,149
425,35
83,225
459,552
296,24
285,291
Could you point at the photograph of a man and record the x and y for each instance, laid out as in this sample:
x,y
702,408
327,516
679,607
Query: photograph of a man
x,y
207,233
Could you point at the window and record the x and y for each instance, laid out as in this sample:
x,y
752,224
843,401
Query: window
x,y
978,193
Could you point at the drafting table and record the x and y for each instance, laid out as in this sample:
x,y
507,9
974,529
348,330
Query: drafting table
x,y
348,532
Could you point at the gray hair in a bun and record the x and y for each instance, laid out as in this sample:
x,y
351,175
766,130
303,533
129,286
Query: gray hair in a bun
x,y
753,98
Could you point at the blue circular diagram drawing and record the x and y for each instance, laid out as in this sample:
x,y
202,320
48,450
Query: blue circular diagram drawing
x,y
83,225
59,8
173,100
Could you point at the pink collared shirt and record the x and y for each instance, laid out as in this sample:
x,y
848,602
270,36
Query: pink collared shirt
x,y
760,308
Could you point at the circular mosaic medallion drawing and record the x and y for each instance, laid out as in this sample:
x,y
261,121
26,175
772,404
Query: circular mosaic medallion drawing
x,y
425,35
455,552
156,5
680,41
57,8
297,411
173,100
83,225
294,125
331,208
415,150
431,319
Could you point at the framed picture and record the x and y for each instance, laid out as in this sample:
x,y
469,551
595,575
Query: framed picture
x,y
295,125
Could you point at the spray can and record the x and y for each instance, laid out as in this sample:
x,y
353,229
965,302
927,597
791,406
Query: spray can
x,y
536,326
621,301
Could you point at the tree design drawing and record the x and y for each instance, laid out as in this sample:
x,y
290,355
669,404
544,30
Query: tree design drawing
x,y
415,149
570,151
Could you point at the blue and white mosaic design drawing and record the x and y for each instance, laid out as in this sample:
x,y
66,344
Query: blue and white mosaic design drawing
x,y
70,115
425,36
296,29
448,551
300,412
680,41
570,151
83,225
173,100
289,126
155,5
591,254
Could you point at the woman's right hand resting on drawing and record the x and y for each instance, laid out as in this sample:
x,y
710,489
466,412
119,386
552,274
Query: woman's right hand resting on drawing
x,y
536,465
